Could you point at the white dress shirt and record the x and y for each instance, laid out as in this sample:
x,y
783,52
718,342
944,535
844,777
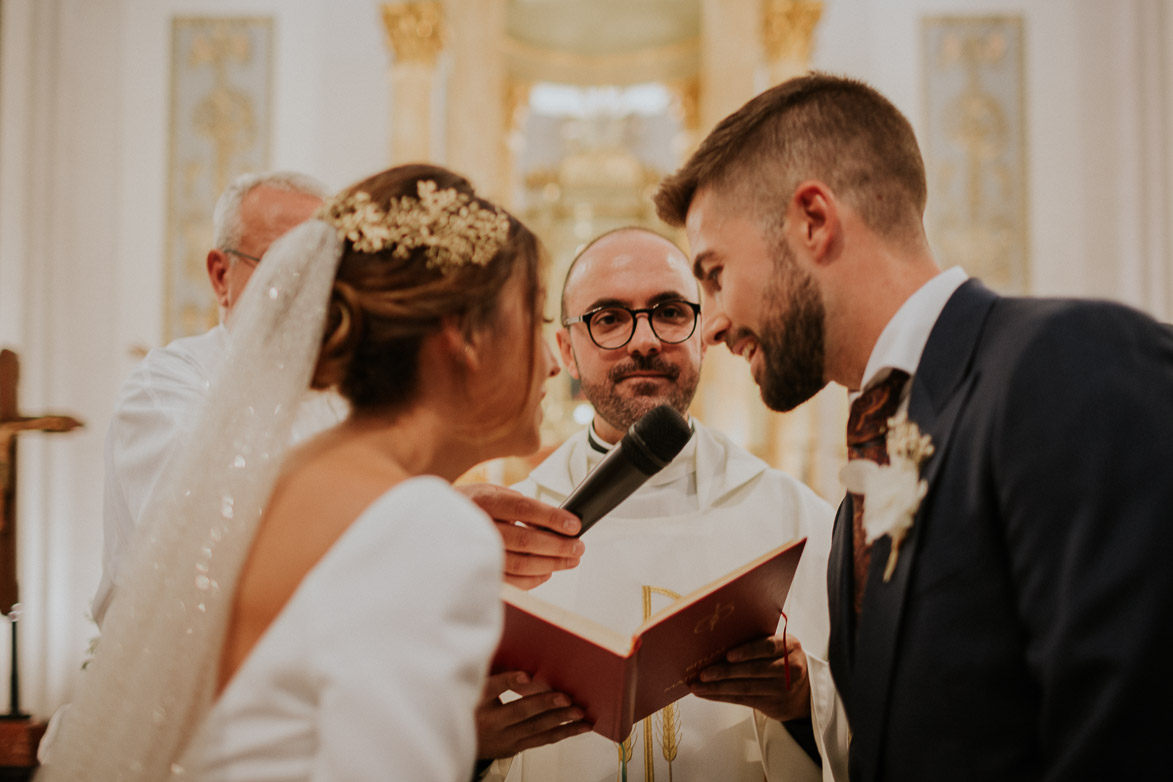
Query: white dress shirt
x,y
903,340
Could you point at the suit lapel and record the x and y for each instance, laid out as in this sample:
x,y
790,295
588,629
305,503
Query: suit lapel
x,y
940,388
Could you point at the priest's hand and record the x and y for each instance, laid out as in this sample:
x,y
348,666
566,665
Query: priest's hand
x,y
755,675
540,716
533,550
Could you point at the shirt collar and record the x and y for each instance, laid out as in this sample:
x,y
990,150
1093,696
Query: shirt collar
x,y
596,443
903,340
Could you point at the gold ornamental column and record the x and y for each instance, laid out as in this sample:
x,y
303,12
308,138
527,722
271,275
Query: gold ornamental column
x,y
517,98
415,37
686,94
788,28
728,64
727,398
808,441
476,95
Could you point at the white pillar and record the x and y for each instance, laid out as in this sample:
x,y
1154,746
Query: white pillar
x,y
730,56
476,95
59,244
415,36
788,28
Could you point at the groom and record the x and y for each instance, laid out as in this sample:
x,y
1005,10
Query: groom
x,y
1012,623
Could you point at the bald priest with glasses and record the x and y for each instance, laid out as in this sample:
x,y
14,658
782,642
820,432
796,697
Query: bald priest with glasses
x,y
630,310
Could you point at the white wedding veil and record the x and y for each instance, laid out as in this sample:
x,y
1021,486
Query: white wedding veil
x,y
154,671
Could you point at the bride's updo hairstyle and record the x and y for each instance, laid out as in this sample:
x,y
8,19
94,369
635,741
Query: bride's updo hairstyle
x,y
419,246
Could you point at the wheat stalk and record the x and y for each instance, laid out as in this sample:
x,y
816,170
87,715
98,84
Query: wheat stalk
x,y
670,734
626,750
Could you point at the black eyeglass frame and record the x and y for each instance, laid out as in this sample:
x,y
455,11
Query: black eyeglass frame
x,y
586,317
239,254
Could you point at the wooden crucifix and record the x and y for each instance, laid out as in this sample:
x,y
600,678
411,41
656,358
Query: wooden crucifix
x,y
12,423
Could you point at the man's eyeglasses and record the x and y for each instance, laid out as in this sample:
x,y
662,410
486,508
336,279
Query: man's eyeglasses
x,y
613,326
239,254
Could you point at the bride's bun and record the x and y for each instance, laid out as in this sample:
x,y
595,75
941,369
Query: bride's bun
x,y
344,322
389,296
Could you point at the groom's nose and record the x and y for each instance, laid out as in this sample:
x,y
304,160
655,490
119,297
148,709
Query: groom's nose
x,y
715,324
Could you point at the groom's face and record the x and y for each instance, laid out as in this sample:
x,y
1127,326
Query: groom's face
x,y
760,302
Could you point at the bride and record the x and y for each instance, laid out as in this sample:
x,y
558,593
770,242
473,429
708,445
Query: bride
x,y
330,613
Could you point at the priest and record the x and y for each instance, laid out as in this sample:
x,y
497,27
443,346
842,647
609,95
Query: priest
x,y
630,308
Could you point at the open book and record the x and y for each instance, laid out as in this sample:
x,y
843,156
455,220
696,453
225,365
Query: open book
x,y
617,679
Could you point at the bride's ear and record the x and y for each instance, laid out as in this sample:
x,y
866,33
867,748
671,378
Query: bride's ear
x,y
465,348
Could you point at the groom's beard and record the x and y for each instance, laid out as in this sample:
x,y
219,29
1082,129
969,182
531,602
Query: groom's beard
x,y
792,337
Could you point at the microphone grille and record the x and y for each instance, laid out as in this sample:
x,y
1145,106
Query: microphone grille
x,y
662,432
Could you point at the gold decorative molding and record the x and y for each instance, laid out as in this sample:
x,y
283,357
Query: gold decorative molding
x,y
657,63
788,28
517,93
415,31
220,115
975,149
686,94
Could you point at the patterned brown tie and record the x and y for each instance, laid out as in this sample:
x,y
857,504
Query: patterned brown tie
x,y
867,434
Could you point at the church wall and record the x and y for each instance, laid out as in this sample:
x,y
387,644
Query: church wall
x,y
1099,97
1127,95
59,223
330,110
83,185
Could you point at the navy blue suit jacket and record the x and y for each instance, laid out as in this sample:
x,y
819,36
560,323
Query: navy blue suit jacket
x,y
1025,632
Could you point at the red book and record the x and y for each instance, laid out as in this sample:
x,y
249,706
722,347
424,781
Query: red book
x,y
618,680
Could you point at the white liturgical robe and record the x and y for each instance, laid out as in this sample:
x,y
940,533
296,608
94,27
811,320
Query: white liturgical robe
x,y
157,402
714,508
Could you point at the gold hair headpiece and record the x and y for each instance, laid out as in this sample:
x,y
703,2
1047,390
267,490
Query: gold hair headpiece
x,y
455,229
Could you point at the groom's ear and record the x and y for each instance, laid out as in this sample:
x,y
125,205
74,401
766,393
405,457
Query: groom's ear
x,y
812,221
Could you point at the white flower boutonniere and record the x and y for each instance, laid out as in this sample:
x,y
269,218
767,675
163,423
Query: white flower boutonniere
x,y
893,492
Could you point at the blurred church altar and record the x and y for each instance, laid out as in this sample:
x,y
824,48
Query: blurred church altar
x,y
595,103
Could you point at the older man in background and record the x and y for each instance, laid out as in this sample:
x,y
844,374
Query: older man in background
x,y
170,384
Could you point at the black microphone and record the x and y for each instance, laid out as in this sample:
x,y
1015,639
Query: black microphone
x,y
649,445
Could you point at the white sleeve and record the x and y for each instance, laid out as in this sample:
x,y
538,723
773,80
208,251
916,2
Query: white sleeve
x,y
406,663
830,720
157,401
808,613
527,486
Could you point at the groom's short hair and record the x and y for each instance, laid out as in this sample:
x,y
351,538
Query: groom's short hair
x,y
837,130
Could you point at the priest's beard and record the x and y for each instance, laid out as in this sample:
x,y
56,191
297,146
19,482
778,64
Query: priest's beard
x,y
792,338
621,411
